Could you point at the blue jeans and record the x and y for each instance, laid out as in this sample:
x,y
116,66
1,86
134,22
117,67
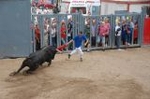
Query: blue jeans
x,y
54,41
117,41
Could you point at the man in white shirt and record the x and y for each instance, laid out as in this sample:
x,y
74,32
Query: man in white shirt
x,y
118,35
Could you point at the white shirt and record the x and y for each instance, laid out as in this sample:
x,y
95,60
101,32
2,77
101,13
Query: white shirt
x,y
53,32
119,32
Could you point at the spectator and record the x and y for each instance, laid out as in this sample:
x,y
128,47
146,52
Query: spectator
x,y
124,32
107,26
93,32
132,30
70,31
46,32
87,32
46,11
63,33
37,37
117,35
87,28
103,30
135,35
129,34
53,35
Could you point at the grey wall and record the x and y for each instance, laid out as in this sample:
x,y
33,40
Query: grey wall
x,y
15,33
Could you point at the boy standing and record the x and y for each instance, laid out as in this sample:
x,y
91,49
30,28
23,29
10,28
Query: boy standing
x,y
118,35
78,43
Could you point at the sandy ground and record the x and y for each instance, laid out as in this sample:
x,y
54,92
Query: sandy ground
x,y
102,75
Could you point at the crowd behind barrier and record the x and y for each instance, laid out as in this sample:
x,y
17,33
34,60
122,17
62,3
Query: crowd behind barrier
x,y
103,32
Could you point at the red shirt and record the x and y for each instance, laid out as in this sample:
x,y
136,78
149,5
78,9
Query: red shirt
x,y
135,33
37,33
63,32
102,30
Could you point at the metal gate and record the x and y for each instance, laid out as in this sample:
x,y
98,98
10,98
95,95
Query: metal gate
x,y
15,33
85,24
48,23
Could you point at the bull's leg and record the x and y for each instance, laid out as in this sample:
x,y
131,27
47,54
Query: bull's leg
x,y
22,66
49,63
31,69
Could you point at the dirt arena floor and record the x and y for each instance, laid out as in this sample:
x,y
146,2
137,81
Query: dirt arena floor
x,y
102,75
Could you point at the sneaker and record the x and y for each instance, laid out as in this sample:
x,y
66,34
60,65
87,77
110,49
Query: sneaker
x,y
88,50
103,50
81,59
128,44
120,49
69,56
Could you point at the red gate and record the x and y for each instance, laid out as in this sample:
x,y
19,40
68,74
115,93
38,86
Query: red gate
x,y
146,36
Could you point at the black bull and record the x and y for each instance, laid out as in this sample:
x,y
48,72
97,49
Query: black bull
x,y
34,60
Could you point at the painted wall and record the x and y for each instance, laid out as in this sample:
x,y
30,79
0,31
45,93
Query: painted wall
x,y
15,32
137,8
110,8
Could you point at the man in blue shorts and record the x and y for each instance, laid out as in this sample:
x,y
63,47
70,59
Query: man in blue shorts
x,y
78,44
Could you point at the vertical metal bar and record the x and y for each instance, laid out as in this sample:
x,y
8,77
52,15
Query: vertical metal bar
x,y
33,34
113,24
41,21
111,33
140,31
73,19
142,17
91,19
58,30
66,21
77,15
97,30
76,26
132,18
50,27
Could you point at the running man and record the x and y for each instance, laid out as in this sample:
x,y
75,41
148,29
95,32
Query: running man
x,y
78,44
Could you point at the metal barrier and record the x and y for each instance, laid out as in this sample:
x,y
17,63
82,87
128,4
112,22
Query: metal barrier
x,y
58,29
133,24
